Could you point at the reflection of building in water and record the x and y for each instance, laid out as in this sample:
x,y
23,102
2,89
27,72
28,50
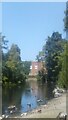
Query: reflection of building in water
x,y
34,87
35,67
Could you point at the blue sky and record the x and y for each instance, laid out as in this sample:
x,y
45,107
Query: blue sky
x,y
0,16
29,24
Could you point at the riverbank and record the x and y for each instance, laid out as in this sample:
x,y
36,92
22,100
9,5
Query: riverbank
x,y
51,110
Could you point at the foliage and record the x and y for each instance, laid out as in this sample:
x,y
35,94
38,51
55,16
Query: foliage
x,y
56,56
53,49
3,46
26,67
12,66
51,52
40,56
66,17
3,42
42,75
63,74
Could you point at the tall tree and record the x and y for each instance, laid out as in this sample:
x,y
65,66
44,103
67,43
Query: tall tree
x,y
13,69
66,20
26,67
41,56
63,74
53,49
3,46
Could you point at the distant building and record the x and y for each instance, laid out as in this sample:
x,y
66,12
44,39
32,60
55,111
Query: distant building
x,y
35,67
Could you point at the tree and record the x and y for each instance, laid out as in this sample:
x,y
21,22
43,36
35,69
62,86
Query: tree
x,y
12,69
63,74
42,75
14,53
53,49
26,67
3,46
50,54
40,56
66,17
66,20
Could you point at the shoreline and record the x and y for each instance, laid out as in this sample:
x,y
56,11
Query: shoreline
x,y
49,110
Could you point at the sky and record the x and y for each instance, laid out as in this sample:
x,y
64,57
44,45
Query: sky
x,y
0,16
29,24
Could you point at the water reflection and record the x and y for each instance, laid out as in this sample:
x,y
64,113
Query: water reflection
x,y
0,100
25,98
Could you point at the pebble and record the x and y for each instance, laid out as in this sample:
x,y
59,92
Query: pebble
x,y
3,116
23,114
39,110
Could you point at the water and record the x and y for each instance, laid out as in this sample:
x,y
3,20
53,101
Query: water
x,y
27,94
0,100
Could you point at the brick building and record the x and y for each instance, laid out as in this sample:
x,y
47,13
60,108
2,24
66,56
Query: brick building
x,y
35,67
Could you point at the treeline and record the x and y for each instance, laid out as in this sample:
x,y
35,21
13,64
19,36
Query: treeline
x,y
14,70
55,55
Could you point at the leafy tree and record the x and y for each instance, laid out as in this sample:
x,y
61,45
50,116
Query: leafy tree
x,y
12,68
3,46
50,54
66,20
14,65
66,17
53,49
26,67
63,74
14,53
42,75
40,56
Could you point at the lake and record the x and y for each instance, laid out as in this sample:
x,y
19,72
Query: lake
x,y
30,93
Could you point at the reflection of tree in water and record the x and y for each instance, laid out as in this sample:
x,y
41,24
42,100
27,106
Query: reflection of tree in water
x,y
49,88
22,96
42,91
0,99
34,87
45,91
12,96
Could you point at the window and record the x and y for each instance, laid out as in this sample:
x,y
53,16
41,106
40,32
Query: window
x,y
36,67
30,67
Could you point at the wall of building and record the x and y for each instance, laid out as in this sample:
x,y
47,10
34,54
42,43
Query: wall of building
x,y
35,67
